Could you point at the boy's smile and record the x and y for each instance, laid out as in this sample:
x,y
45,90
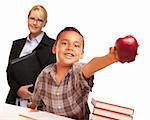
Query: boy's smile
x,y
69,55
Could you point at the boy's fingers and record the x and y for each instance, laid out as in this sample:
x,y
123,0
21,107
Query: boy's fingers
x,y
111,49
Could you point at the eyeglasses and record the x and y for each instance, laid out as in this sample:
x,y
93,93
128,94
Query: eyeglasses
x,y
32,19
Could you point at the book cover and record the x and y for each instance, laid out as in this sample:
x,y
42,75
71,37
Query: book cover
x,y
100,117
112,107
26,69
42,115
111,114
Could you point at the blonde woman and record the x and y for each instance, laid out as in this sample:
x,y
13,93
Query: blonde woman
x,y
37,41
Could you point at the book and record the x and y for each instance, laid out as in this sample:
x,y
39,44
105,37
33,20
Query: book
x,y
14,112
26,69
100,117
111,114
112,107
42,115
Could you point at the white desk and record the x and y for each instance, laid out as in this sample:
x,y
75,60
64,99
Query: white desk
x,y
12,112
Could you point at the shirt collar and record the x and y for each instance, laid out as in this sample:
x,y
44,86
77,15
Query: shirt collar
x,y
37,38
54,67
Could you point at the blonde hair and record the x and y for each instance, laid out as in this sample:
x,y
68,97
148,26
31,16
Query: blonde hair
x,y
39,8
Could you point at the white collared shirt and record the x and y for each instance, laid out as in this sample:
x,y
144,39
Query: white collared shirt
x,y
31,44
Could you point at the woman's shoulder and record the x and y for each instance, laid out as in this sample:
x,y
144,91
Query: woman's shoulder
x,y
48,39
19,40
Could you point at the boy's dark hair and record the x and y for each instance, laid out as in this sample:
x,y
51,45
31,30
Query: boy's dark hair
x,y
69,29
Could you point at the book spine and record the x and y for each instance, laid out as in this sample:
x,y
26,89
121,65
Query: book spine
x,y
112,111
125,110
112,114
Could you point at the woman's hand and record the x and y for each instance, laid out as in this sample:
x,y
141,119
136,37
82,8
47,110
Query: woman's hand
x,y
24,93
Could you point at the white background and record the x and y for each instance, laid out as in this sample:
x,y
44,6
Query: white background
x,y
101,22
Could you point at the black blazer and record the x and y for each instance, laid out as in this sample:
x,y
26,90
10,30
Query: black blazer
x,y
43,53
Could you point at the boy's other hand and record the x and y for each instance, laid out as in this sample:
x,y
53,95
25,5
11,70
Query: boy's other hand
x,y
32,106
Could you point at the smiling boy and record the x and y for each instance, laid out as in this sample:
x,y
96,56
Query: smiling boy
x,y
63,87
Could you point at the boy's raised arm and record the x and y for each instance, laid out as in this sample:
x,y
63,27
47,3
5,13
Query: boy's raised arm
x,y
99,63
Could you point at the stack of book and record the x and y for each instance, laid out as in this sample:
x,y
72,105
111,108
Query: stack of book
x,y
107,111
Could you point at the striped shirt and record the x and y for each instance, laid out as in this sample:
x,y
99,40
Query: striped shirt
x,y
69,98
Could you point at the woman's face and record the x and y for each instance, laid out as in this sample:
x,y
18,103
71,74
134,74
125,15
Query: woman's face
x,y
36,22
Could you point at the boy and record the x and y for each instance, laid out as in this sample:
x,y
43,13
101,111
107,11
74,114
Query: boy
x,y
62,88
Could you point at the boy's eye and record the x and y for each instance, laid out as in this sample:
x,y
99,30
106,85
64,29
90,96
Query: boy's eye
x,y
77,46
63,43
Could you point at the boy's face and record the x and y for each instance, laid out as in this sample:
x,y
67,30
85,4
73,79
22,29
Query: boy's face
x,y
69,48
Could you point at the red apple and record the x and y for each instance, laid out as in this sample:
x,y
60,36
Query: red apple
x,y
126,48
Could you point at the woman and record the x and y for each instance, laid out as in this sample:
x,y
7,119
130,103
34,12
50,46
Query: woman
x,y
37,41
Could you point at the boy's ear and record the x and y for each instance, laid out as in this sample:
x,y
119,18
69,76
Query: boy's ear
x,y
54,49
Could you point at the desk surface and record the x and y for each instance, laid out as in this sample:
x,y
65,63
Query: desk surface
x,y
12,112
